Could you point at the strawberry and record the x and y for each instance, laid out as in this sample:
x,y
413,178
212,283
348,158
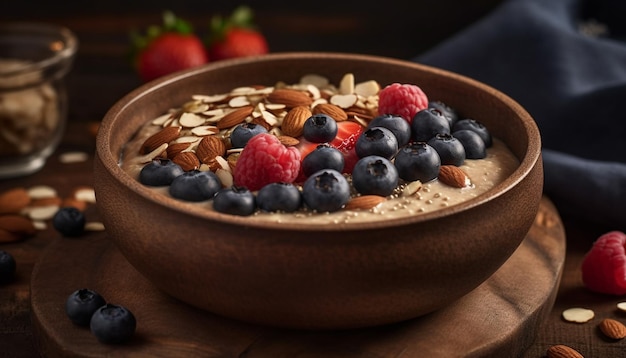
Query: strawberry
x,y
164,50
235,36
347,134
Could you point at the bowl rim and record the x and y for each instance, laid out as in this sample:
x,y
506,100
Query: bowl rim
x,y
111,163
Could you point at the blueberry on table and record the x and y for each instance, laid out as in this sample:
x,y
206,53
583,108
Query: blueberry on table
x,y
81,305
7,267
243,132
320,128
195,186
236,200
427,123
113,324
284,197
69,221
378,141
375,175
417,161
447,111
323,157
326,191
450,149
475,126
159,172
396,124
473,144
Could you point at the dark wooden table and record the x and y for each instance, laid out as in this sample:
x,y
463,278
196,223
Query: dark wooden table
x,y
102,75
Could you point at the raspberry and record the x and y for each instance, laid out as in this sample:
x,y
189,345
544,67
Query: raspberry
x,y
403,100
604,266
266,160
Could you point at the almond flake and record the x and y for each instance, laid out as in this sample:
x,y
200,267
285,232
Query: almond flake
x,y
202,131
86,194
344,100
160,120
94,226
621,306
346,85
43,212
367,88
412,188
578,315
238,101
226,178
41,191
146,158
195,107
315,80
73,157
210,99
191,120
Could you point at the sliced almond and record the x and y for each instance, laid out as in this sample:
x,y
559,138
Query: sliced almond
x,y
453,176
73,157
234,117
346,85
578,315
14,200
41,191
412,188
43,212
367,88
85,193
191,120
332,110
293,123
364,202
156,140
290,97
612,328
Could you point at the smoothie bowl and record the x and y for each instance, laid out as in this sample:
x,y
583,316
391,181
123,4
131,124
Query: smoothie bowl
x,y
371,257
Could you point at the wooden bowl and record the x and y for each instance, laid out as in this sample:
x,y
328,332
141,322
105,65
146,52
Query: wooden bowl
x,y
317,276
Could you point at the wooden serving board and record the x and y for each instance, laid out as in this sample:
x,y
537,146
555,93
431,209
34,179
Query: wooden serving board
x,y
499,318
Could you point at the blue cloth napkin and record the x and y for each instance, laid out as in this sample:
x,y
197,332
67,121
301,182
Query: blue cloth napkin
x,y
568,70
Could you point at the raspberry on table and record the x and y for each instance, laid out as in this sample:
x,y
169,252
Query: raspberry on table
x,y
266,160
604,266
403,100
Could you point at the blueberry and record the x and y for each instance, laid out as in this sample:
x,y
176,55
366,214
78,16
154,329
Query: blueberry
x,y
417,161
376,141
427,123
450,149
320,128
7,267
236,200
472,142
159,172
447,111
113,324
396,124
69,221
475,126
323,157
195,185
374,175
243,132
283,197
82,304
326,191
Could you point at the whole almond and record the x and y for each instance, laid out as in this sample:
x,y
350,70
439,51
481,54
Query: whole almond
x,y
17,224
165,135
453,176
289,97
288,141
175,148
562,351
14,200
612,328
6,236
234,117
364,202
187,160
334,111
294,120
210,147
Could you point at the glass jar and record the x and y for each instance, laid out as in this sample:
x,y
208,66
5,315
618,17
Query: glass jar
x,y
34,61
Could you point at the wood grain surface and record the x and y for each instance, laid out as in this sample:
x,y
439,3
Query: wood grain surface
x,y
500,317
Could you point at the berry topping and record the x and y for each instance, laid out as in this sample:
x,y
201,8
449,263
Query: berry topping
x,y
323,157
159,172
427,123
235,201
472,142
347,134
266,160
417,161
243,132
403,100
195,185
475,126
7,267
69,221
447,111
113,324
326,191
283,197
375,175
604,266
450,149
396,124
81,305
319,128
376,141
